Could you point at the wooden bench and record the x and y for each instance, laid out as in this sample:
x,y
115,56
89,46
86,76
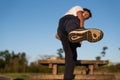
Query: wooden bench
x,y
89,71
89,64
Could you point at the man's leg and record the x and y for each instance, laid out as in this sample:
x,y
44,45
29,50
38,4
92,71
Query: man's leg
x,y
70,59
67,24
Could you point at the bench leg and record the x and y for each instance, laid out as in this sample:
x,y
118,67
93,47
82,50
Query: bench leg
x,y
55,70
90,67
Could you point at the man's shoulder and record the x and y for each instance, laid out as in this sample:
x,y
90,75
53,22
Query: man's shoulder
x,y
77,7
74,10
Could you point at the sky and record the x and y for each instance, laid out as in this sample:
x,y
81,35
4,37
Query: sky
x,y
30,26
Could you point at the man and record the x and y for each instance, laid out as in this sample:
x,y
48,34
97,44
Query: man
x,y
73,19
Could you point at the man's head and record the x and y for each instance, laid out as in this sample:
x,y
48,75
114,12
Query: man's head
x,y
87,13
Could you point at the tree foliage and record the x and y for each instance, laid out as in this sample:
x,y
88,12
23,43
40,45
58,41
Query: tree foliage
x,y
11,62
102,53
59,52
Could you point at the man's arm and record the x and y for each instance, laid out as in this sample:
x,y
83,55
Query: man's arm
x,y
80,16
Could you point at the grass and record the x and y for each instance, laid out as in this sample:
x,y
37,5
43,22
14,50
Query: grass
x,y
24,76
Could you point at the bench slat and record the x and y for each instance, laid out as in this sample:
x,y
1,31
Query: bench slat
x,y
102,62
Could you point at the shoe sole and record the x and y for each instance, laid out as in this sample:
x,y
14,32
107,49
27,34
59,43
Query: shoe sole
x,y
91,35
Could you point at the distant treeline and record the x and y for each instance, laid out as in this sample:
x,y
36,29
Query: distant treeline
x,y
12,62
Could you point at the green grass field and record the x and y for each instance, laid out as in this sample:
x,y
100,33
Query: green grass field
x,y
24,76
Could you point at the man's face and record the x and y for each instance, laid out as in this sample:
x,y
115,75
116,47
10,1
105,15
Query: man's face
x,y
86,14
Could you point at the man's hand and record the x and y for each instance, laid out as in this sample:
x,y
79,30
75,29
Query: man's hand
x,y
57,36
80,42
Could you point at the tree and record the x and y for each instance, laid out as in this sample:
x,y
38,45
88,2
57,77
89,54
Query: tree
x,y
11,62
102,53
98,58
2,65
23,62
59,52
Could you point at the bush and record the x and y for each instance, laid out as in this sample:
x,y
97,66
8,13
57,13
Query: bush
x,y
111,68
39,69
114,68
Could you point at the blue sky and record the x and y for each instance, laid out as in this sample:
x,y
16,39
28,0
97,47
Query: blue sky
x,y
30,26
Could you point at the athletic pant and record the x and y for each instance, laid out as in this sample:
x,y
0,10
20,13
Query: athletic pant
x,y
66,24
